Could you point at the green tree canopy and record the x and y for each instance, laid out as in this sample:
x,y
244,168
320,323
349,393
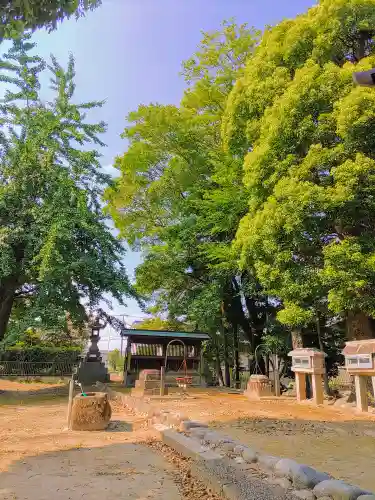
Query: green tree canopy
x,y
180,195
17,16
307,135
56,251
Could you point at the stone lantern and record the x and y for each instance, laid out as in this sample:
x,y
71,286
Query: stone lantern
x,y
308,361
360,362
92,368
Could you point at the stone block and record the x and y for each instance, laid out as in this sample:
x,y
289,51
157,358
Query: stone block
x,y
188,425
214,439
249,455
302,476
185,446
304,494
366,497
281,481
268,462
198,432
337,490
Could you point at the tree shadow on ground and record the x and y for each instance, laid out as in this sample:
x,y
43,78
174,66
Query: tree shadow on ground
x,y
126,470
344,449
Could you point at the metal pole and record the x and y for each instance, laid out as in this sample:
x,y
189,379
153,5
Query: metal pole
x,y
70,401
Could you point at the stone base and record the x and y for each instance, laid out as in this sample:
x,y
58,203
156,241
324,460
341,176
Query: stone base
x,y
90,372
91,412
258,387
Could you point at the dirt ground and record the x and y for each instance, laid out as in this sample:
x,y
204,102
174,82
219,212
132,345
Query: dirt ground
x,y
40,458
332,440
34,442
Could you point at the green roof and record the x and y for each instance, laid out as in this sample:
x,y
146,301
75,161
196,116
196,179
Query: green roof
x,y
129,332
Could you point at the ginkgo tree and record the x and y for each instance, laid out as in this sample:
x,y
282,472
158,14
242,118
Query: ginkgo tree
x,y
57,252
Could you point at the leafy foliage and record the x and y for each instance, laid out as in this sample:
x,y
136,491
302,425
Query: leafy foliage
x,y
116,360
17,16
57,253
306,134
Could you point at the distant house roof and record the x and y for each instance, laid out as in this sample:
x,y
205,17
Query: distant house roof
x,y
129,332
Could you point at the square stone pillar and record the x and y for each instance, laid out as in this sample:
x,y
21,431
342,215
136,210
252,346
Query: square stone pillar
x,y
361,392
317,388
301,386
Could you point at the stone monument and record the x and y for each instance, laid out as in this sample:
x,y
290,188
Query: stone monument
x,y
92,369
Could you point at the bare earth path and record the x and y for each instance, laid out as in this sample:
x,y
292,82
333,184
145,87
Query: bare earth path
x,y
38,457
39,460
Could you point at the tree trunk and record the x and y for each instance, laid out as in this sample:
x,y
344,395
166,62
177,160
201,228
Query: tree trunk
x,y
219,372
236,345
321,347
226,361
6,303
358,326
297,340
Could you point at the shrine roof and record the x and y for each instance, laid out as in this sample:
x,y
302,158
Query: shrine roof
x,y
129,332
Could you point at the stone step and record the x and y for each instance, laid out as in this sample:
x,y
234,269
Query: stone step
x,y
138,392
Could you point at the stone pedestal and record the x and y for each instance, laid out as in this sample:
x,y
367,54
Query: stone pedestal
x,y
91,412
258,387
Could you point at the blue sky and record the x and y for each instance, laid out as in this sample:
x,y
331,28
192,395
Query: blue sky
x,y
129,52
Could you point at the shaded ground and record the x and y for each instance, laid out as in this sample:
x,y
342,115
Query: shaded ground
x,y
40,459
332,440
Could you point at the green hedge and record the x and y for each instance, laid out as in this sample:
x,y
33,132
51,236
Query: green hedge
x,y
41,354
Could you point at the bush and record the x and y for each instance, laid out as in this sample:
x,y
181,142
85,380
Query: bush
x,y
41,354
116,361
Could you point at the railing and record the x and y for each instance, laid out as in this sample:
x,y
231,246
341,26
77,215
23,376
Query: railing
x,y
36,369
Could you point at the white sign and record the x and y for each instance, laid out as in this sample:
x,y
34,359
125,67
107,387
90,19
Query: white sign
x,y
302,362
359,361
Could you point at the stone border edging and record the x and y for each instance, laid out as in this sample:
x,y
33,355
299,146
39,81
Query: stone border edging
x,y
308,483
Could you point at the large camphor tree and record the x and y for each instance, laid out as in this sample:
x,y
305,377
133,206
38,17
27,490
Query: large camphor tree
x,y
308,138
57,253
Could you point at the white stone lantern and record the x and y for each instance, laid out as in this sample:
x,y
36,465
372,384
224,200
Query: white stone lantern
x,y
360,362
308,361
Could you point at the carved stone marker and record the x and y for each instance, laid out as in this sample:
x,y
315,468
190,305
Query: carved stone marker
x,y
90,412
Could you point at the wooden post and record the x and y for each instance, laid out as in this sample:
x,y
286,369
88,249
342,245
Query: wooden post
x,y
162,381
301,386
276,375
317,388
361,393
127,360
70,401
